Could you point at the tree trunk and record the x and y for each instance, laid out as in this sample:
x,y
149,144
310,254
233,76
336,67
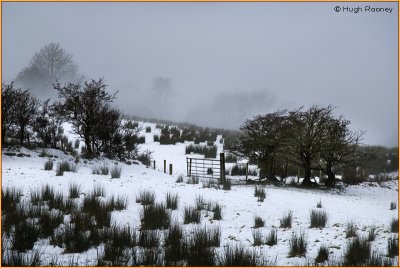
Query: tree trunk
x,y
307,175
331,177
21,135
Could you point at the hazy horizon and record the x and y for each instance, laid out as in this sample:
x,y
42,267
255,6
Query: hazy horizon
x,y
226,61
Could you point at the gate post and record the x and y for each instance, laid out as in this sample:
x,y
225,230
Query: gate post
x,y
170,169
190,167
222,167
165,166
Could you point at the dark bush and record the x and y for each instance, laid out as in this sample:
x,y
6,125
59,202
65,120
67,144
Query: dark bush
x,y
48,222
217,212
257,237
119,203
48,165
172,201
156,137
323,254
207,151
148,129
259,192
297,245
25,235
372,234
200,202
394,225
286,221
155,216
149,238
318,218
319,204
193,180
351,229
239,256
74,190
191,214
179,179
9,198
145,158
99,191
258,222
115,172
174,246
146,197
393,205
65,166
272,238
393,246
358,251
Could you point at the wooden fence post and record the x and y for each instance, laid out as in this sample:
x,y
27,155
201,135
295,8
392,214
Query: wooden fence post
x,y
222,167
247,170
170,169
154,163
165,166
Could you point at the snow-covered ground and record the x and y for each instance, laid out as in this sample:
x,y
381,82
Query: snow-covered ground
x,y
366,205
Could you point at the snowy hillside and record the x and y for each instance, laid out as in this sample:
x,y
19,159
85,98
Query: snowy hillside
x,y
366,205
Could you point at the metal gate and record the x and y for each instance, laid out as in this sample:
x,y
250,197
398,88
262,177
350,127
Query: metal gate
x,y
203,168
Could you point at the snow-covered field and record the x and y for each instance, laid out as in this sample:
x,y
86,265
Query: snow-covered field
x,y
367,205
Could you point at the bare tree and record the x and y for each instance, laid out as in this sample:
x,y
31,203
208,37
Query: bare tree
x,y
307,137
25,109
163,90
339,146
52,63
263,139
88,111
7,109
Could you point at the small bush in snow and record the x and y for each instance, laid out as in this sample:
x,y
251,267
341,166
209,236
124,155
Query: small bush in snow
x,y
119,203
57,202
76,145
376,260
286,221
172,201
323,254
65,166
14,258
47,193
259,192
393,246
393,205
372,234
149,238
25,235
99,190
48,222
297,245
191,214
319,204
272,238
351,229
148,129
257,237
146,197
258,222
155,216
145,158
217,212
156,137
179,179
193,180
394,225
239,256
200,202
174,247
74,190
116,172
318,218
48,165
9,198
357,252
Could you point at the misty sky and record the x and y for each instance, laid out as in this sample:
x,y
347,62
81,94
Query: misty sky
x,y
227,61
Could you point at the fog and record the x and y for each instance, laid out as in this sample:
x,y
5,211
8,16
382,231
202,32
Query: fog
x,y
226,62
